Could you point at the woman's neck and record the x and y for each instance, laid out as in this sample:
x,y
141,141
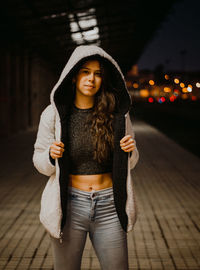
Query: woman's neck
x,y
84,103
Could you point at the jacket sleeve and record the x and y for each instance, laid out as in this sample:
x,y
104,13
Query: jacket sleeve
x,y
134,155
45,137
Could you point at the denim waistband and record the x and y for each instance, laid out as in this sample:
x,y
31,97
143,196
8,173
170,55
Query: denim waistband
x,y
99,194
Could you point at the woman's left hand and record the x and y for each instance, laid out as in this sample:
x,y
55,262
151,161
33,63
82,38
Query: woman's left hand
x,y
127,143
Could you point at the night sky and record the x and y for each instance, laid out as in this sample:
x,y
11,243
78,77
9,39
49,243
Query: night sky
x,y
180,31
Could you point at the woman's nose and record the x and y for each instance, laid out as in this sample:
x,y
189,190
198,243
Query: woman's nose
x,y
91,76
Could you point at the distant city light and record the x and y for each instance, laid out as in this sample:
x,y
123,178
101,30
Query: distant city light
x,y
198,84
184,96
151,82
167,89
150,99
166,77
182,85
144,93
189,85
176,92
161,100
172,98
184,90
135,85
176,80
155,92
189,89
194,98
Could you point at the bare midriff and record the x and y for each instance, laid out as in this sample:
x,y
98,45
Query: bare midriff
x,y
91,182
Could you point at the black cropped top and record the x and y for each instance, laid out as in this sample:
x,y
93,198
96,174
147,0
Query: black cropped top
x,y
80,146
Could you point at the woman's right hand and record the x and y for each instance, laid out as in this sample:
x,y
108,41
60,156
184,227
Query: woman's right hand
x,y
56,149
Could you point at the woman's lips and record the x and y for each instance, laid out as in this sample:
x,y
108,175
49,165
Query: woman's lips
x,y
90,86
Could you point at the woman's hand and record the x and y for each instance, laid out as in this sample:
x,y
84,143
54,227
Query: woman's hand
x,y
127,143
56,150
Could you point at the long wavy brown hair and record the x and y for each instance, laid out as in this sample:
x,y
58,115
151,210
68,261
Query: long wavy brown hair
x,y
100,121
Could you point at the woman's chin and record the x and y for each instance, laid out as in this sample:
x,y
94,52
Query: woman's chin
x,y
89,93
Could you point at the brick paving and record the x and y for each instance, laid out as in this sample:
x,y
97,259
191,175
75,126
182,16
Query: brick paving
x,y
166,235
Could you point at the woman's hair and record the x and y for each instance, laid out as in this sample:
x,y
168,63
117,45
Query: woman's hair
x,y
101,119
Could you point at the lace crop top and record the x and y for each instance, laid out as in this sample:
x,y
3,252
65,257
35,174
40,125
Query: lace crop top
x,y
81,147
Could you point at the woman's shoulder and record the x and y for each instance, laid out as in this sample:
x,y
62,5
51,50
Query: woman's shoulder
x,y
48,114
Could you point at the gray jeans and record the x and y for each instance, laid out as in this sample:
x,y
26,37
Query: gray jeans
x,y
94,213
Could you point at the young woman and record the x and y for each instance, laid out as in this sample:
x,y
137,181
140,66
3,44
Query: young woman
x,y
85,143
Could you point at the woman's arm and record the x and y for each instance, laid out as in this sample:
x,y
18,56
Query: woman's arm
x,y
45,137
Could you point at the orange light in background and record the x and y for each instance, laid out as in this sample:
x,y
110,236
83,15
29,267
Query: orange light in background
x,y
184,96
167,89
182,85
176,80
144,93
185,90
128,83
135,85
151,82
150,99
194,98
155,91
142,80
189,85
166,77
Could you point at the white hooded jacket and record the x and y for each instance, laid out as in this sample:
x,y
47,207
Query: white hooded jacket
x,y
51,128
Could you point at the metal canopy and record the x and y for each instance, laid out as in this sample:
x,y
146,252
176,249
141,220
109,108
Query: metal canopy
x,y
54,28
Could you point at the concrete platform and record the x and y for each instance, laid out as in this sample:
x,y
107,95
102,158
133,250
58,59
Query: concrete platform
x,y
166,235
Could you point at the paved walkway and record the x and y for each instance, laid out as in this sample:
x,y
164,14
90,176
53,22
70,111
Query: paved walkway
x,y
166,235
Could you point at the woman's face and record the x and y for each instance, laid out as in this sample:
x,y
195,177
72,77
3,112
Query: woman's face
x,y
88,80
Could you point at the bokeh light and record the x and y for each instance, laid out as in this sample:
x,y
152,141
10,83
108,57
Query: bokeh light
x,y
172,98
176,81
144,93
167,89
150,99
194,98
162,99
184,96
184,90
135,85
151,82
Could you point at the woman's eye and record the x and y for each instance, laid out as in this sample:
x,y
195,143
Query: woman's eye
x,y
84,71
98,74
